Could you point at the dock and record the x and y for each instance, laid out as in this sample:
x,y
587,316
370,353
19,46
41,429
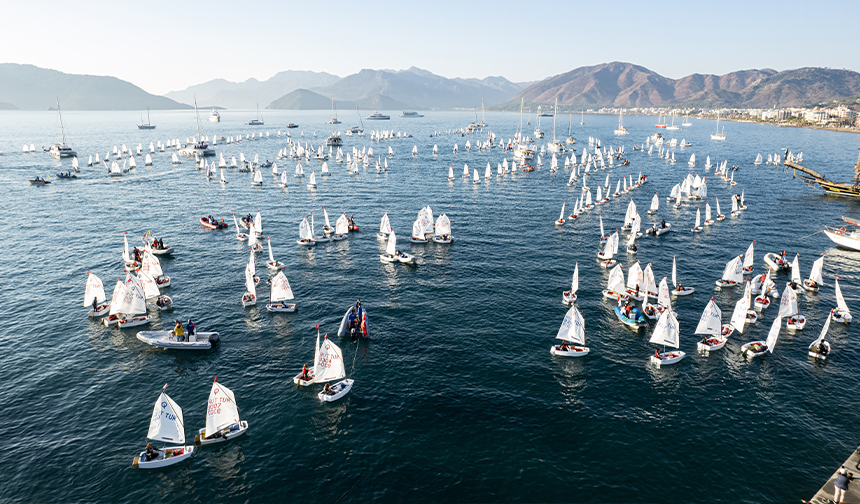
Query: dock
x,y
825,494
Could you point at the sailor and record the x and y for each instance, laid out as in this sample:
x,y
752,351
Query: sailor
x,y
564,347
151,453
352,319
663,224
189,327
178,331
305,374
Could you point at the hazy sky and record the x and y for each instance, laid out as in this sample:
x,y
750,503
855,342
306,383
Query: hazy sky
x,y
163,46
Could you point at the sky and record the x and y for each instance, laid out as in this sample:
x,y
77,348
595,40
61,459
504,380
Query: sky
x,y
163,46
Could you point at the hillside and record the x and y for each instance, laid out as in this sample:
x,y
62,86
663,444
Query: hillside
x,y
250,93
626,85
28,87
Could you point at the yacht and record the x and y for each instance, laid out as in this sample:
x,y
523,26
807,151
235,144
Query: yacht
x,y
410,115
376,116
292,125
334,140
621,129
333,114
719,135
214,116
259,119
199,148
61,150
148,125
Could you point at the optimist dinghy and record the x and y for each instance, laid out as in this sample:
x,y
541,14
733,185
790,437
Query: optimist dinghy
x,y
664,301
679,290
94,297
795,284
167,339
280,292
165,425
249,298
615,288
417,233
631,316
610,249
239,234
384,227
306,238
560,221
272,263
222,417
711,325
815,280
759,348
739,315
336,391
732,274
569,297
443,230
841,312
128,300
572,331
667,333
819,348
655,205
788,308
698,227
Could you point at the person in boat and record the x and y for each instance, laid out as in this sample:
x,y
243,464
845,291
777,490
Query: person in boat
x,y
663,224
564,347
359,311
151,453
305,373
95,306
680,288
656,354
352,320
189,328
327,389
634,249
637,291
822,348
179,331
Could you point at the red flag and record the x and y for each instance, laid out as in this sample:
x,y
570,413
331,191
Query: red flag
x,y
364,324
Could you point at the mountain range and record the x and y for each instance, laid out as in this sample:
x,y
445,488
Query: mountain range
x,y
627,85
29,87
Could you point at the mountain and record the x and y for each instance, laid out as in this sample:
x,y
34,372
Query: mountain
x,y
415,88
627,85
303,99
29,87
247,94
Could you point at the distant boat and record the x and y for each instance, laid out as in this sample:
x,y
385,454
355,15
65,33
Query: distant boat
x,y
411,115
259,119
621,129
148,125
376,116
686,122
358,128
292,125
200,148
214,116
718,135
333,114
59,150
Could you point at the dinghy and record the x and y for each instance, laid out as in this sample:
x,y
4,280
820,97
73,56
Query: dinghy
x,y
417,233
841,312
708,219
776,262
762,302
222,417
749,259
820,348
336,391
569,297
450,173
679,290
667,332
152,266
341,228
280,292
664,301
150,291
788,308
815,280
306,238
239,234
698,227
631,316
759,348
732,274
249,298
615,288
739,315
272,263
212,223
711,325
94,297
443,230
312,183
720,216
610,249
299,171
655,205
560,221
636,282
132,302
572,331
169,340
165,425
384,227
796,284
258,178
391,251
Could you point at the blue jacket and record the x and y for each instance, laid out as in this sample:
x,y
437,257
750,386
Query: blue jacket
x,y
841,482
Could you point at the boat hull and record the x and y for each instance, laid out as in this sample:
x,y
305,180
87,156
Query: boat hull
x,y
184,452
225,434
572,351
668,358
843,240
165,339
712,344
281,308
749,349
337,391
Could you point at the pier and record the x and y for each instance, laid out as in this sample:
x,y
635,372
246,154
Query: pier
x,y
825,494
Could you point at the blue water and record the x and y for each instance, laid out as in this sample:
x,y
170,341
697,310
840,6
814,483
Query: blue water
x,y
456,397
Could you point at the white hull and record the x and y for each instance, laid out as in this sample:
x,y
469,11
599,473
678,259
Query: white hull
x,y
132,322
712,344
750,353
572,351
796,323
843,240
225,434
684,291
100,310
337,391
281,308
186,452
668,358
814,352
165,339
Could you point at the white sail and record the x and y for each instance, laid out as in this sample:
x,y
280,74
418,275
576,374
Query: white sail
x,y
417,230
299,171
94,290
443,225
815,273
561,217
788,303
718,206
269,244
465,171
823,333
649,284
600,218
774,333
734,270
222,411
134,301
698,217
313,179
616,279
708,214
635,277
451,172
663,298
391,248
151,265
572,327
795,269
150,288
739,316
655,203
749,256
166,424
324,168
631,211
250,286
118,294
840,301
667,332
574,284
329,363
126,255
281,290
674,272
341,226
305,232
711,321
615,239
384,224
258,177
476,178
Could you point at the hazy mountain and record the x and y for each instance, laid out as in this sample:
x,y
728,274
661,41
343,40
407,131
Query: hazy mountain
x,y
303,99
417,88
29,87
7,106
619,84
246,95
381,102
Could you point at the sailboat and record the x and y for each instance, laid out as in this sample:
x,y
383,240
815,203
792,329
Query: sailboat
x,y
131,302
280,292
698,227
708,219
615,288
450,173
59,150
312,183
841,313
222,417
667,333
168,426
258,178
306,236
249,298
718,135
442,229
711,325
390,254
328,364
679,290
384,227
820,348
333,114
418,235
476,179
239,235
759,348
572,330
795,284
272,263
788,308
299,171
720,216
732,274
95,291
609,250
664,300
749,259
740,314
621,129
258,121
147,125
655,205
560,221
569,297
341,228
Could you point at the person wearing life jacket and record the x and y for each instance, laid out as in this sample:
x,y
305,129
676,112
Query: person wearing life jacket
x,y
564,347
151,453
179,331
305,374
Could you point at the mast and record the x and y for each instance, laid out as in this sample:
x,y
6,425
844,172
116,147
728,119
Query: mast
x,y
62,129
199,136
520,127
554,113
